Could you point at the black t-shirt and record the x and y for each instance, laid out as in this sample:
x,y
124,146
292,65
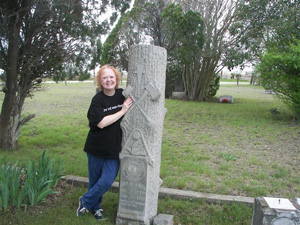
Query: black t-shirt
x,y
106,142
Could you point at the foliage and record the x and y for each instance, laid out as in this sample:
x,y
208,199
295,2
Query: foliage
x,y
10,182
193,33
280,72
260,21
110,49
84,75
214,86
229,157
125,33
182,39
218,17
26,185
135,27
185,33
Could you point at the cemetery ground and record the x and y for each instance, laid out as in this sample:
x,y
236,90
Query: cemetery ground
x,y
248,148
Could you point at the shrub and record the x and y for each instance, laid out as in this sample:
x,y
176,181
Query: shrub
x,y
280,72
214,86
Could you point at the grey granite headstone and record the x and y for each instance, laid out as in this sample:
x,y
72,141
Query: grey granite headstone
x,y
276,211
178,85
142,128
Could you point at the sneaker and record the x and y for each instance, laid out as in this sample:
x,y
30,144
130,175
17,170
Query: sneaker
x,y
81,209
98,215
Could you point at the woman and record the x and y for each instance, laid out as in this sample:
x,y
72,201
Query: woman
x,y
103,143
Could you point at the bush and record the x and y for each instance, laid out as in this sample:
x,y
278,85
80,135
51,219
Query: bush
x,y
213,87
26,185
280,72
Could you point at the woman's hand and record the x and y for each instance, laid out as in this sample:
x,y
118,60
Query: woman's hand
x,y
127,104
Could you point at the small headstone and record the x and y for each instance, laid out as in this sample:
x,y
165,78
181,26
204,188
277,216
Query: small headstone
x,y
276,211
178,85
163,219
270,92
226,99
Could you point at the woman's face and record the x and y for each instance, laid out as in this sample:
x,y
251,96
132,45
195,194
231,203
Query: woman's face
x,y
108,79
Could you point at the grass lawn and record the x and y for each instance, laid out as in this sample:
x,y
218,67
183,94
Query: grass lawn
x,y
237,149
185,212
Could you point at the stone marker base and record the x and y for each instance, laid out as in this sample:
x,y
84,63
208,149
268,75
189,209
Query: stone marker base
x,y
266,215
163,219
123,221
178,95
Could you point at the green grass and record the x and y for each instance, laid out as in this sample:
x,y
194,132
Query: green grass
x,y
202,141
62,211
237,149
245,134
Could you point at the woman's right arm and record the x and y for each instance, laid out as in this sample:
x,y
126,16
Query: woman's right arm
x,y
110,119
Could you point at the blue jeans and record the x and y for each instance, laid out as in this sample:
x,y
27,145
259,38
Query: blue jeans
x,y
102,173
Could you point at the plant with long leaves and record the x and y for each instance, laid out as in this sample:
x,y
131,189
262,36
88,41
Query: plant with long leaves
x,y
26,185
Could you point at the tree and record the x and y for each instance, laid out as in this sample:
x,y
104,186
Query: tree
x,y
113,51
125,33
260,23
267,31
36,38
185,37
143,24
280,71
237,76
218,16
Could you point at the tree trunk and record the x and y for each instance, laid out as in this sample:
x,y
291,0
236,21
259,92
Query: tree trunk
x,y
10,117
11,85
197,78
10,134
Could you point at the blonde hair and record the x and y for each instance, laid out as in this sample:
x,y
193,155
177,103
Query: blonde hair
x,y
100,72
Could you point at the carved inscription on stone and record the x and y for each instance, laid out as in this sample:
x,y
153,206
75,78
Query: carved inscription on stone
x,y
133,186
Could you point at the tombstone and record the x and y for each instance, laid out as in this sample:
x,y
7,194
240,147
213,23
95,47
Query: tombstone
x,y
276,211
226,99
142,128
270,92
178,85
178,92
